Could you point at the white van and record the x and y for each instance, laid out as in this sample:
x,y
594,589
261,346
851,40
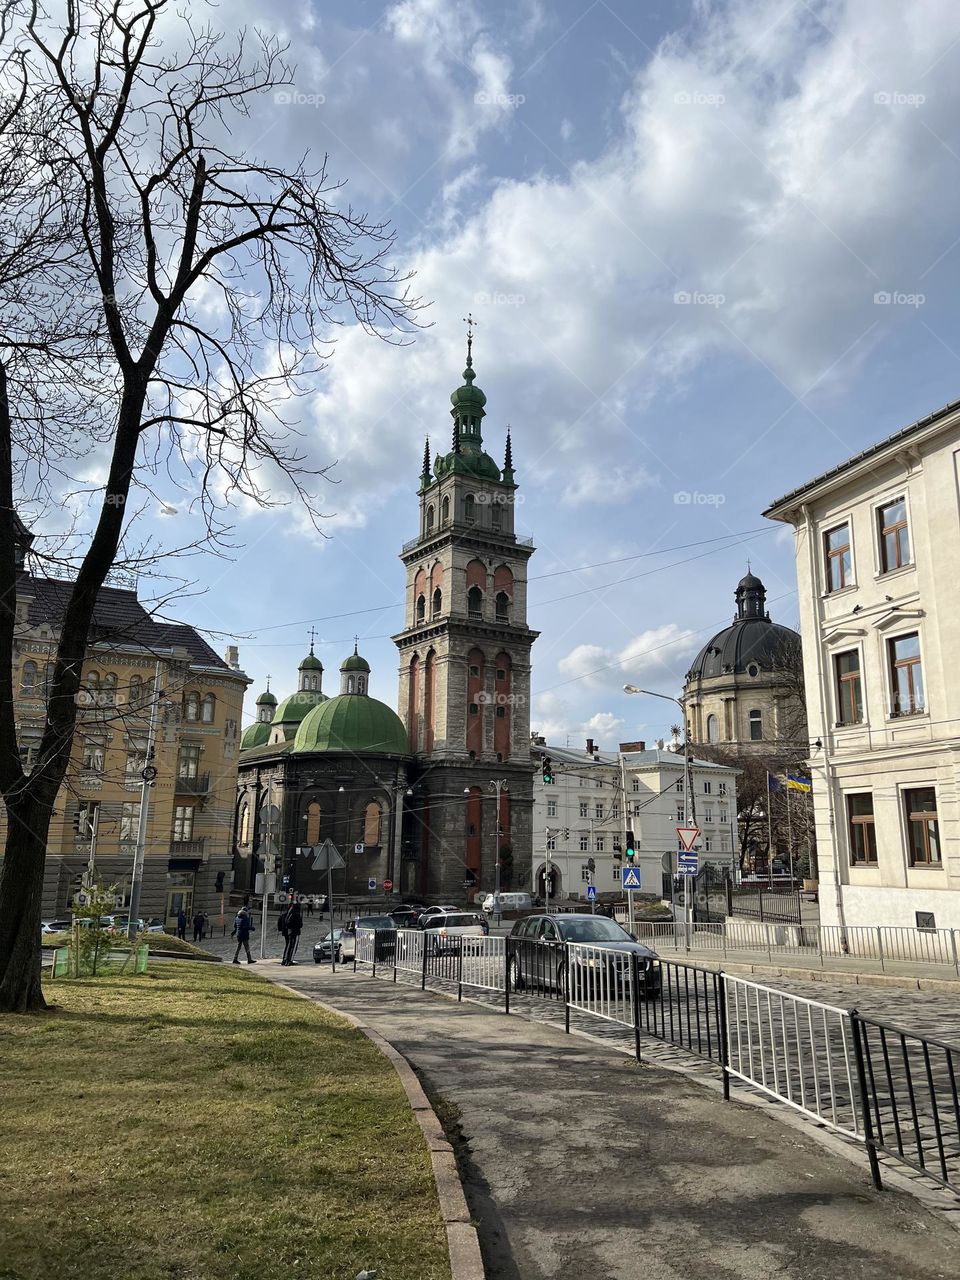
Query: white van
x,y
508,902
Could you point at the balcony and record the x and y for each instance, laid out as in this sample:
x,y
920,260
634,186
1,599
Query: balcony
x,y
187,848
198,785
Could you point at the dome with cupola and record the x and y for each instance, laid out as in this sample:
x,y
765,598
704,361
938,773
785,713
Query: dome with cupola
x,y
751,643
467,457
352,723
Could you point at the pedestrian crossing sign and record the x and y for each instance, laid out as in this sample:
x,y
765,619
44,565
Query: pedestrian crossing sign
x,y
631,878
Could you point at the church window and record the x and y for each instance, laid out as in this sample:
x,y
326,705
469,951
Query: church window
x,y
503,607
349,684
445,511
371,824
470,509
437,603
475,603
421,607
501,712
474,709
713,729
28,679
313,823
496,515
361,684
430,517
191,706
244,824
501,673
756,726
209,707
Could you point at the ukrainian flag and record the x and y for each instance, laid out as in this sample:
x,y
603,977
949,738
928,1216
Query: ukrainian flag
x,y
796,783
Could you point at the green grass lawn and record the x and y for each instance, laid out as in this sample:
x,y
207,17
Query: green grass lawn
x,y
155,942
198,1122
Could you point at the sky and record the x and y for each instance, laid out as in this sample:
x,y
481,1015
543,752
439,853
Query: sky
x,y
711,248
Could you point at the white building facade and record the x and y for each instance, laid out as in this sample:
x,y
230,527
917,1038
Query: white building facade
x,y
878,563
581,815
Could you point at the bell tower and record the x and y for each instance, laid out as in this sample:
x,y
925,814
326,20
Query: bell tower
x,y
465,662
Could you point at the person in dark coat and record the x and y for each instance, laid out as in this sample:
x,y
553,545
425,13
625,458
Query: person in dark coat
x,y
198,926
182,924
242,929
293,926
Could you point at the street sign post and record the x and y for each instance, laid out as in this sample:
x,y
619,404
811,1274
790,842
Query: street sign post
x,y
591,893
631,878
327,858
688,862
688,836
387,886
371,884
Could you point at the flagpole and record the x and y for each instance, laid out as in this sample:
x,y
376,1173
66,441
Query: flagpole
x,y
789,833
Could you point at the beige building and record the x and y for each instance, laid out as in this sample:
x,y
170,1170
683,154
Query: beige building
x,y
741,691
878,562
197,727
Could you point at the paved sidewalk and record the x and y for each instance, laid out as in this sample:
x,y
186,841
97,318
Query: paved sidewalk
x,y
578,1164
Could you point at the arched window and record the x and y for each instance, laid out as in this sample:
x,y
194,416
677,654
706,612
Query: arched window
x,y
350,685
445,511
361,684
756,726
209,708
503,607
243,836
371,824
28,679
713,729
470,509
136,691
191,706
437,603
421,607
430,518
263,715
313,823
475,602
109,689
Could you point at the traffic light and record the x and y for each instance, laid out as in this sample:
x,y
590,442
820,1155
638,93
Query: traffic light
x,y
218,887
546,768
631,847
591,864
566,834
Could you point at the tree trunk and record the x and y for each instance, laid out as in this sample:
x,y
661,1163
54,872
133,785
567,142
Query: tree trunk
x,y
21,888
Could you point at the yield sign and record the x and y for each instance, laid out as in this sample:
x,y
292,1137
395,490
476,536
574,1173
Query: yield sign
x,y
328,857
688,836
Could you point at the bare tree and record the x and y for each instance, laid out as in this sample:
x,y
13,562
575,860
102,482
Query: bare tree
x,y
162,297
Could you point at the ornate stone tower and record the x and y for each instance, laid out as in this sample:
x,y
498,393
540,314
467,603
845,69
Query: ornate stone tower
x,y
465,665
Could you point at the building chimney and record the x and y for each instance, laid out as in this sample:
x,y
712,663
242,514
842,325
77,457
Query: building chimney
x,y
589,746
232,657
633,746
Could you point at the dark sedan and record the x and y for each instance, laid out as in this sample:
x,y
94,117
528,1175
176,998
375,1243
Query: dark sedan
x,y
541,956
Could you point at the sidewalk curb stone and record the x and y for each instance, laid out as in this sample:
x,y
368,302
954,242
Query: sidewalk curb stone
x,y
463,1245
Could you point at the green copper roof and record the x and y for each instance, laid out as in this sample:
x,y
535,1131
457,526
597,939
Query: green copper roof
x,y
292,710
255,735
311,663
353,726
266,699
355,663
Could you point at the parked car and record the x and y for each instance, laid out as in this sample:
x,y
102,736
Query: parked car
x,y
453,924
56,926
155,928
383,947
547,962
123,922
322,949
432,911
508,902
406,917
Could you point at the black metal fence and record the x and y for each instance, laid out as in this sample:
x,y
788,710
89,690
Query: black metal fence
x,y
887,1086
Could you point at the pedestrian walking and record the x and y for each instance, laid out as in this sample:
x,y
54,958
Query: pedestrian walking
x,y
205,931
309,907
198,927
182,924
242,929
293,926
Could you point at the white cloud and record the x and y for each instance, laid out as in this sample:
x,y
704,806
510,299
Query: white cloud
x,y
605,728
659,655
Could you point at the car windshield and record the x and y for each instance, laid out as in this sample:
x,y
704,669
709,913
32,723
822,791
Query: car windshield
x,y
596,929
375,922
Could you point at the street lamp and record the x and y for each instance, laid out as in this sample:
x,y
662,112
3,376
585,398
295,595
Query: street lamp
x,y
689,804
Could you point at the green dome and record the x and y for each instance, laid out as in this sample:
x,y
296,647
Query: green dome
x,y
469,462
468,396
293,709
266,699
355,663
255,735
311,663
352,725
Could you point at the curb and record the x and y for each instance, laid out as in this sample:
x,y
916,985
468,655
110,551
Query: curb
x,y
840,977
463,1245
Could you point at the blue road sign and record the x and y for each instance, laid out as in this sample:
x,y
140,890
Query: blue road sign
x,y
371,883
591,893
631,878
687,862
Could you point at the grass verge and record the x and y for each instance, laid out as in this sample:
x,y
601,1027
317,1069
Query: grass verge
x,y
155,942
199,1122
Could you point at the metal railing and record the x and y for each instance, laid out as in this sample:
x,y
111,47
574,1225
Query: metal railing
x,y
888,1087
883,944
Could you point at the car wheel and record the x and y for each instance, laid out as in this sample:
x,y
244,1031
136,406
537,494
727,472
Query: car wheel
x,y
562,980
516,976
